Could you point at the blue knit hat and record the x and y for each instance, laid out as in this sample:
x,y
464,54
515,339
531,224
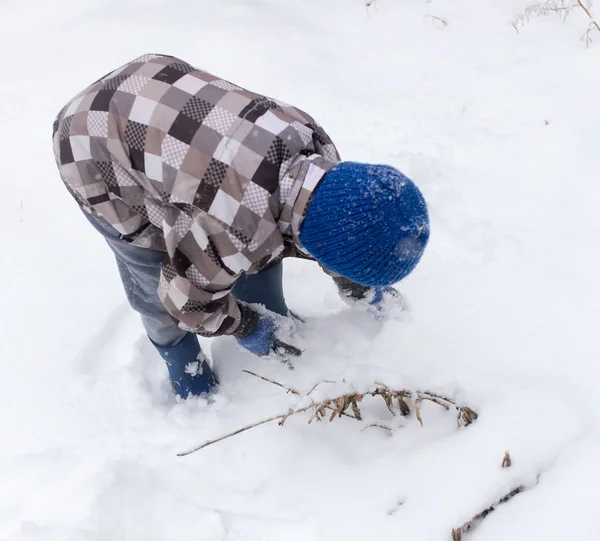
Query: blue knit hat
x,y
368,223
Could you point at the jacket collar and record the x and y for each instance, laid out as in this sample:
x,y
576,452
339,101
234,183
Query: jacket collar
x,y
295,192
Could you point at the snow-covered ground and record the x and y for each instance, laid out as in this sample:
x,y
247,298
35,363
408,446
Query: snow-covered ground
x,y
499,128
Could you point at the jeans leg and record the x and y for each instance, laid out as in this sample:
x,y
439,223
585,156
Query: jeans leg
x,y
139,269
265,287
189,372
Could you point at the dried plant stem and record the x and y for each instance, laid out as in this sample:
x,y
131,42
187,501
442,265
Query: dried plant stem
x,y
280,418
476,520
317,384
593,24
563,8
431,395
340,406
435,400
376,425
588,13
288,389
434,18
470,525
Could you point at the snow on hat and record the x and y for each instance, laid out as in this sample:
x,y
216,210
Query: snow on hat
x,y
367,223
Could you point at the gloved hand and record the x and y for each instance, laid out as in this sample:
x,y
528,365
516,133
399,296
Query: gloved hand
x,y
257,334
385,300
260,341
380,301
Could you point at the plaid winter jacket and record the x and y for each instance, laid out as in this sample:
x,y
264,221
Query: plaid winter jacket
x,y
179,160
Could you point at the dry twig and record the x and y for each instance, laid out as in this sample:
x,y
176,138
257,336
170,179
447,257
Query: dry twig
x,y
317,384
435,399
281,419
587,11
376,425
288,389
476,520
435,19
470,525
562,8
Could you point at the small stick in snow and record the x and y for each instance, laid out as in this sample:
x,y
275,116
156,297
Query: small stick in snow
x,y
506,461
469,526
288,389
588,13
376,425
435,399
563,8
476,520
434,18
281,418
395,508
317,384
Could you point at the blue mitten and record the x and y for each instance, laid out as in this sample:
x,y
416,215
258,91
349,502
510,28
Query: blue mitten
x,y
257,334
385,300
377,299
381,301
260,342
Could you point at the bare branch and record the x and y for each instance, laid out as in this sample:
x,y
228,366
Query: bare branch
x,y
317,384
587,12
562,8
282,418
435,19
434,399
377,426
288,389
470,525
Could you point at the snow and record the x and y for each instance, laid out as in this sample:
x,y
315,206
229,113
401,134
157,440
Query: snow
x,y
498,128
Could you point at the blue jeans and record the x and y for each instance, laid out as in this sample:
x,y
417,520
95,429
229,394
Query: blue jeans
x,y
139,269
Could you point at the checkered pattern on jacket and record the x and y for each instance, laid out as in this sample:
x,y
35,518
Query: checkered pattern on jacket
x,y
179,160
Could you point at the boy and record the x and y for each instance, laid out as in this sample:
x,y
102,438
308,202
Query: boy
x,y
201,188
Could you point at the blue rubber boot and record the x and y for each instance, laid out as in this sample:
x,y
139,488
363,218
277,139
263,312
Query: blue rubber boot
x,y
264,287
188,369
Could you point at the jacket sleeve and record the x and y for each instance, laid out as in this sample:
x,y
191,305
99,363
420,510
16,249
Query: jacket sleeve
x,y
195,285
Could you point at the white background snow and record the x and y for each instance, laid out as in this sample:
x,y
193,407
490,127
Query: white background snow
x,y
498,128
